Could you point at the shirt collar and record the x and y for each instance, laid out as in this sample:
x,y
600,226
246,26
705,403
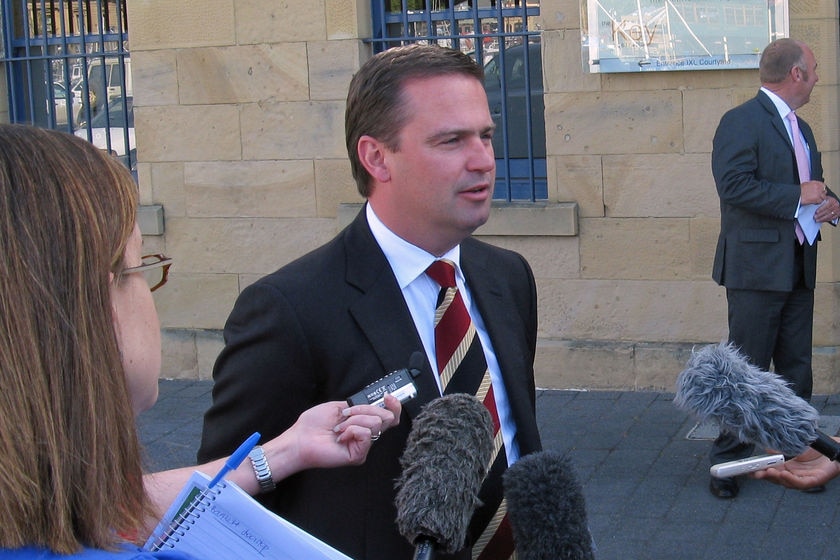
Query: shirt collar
x,y
780,104
407,261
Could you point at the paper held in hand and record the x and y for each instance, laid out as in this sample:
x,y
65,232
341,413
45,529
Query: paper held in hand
x,y
225,523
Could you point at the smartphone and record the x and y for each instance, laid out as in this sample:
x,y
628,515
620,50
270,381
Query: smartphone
x,y
744,466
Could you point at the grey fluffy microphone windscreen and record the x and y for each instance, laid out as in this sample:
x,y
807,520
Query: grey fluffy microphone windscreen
x,y
719,383
444,463
547,509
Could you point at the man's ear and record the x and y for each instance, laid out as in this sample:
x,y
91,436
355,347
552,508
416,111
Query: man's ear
x,y
372,154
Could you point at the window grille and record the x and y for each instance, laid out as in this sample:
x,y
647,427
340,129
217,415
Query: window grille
x,y
68,67
495,33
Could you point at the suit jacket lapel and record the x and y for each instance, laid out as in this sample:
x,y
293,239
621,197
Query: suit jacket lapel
x,y
496,308
382,314
775,118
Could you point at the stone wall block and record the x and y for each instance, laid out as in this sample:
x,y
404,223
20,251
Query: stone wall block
x,y
584,364
268,189
180,133
559,15
331,67
190,300
680,80
181,24
347,19
549,257
179,356
828,257
154,77
280,21
243,74
635,249
661,185
656,366
703,236
703,110
604,310
242,245
208,344
820,33
827,314
613,123
563,67
297,130
167,185
334,185
826,364
578,179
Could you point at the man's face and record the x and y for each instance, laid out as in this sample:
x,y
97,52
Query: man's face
x,y
809,77
439,184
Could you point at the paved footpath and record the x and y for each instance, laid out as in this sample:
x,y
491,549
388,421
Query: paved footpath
x,y
643,468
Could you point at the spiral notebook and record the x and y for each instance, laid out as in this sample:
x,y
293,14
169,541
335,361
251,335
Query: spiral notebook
x,y
225,523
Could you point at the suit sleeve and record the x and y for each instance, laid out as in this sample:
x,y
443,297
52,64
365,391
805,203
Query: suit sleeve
x,y
256,387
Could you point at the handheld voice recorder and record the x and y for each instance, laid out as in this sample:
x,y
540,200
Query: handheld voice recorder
x,y
399,383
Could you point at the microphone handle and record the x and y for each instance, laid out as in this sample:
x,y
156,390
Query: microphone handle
x,y
827,446
424,549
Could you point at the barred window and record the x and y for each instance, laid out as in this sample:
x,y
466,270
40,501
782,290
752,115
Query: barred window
x,y
69,67
500,35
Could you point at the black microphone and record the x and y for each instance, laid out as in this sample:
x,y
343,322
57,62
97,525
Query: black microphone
x,y
445,460
720,383
546,508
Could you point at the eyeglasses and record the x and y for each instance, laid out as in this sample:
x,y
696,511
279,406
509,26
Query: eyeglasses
x,y
155,269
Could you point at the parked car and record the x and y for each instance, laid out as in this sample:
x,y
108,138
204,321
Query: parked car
x,y
60,103
517,88
109,128
103,85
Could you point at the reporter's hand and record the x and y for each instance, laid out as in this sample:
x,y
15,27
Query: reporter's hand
x,y
334,435
804,471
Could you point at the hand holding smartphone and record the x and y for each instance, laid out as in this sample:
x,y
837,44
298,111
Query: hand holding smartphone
x,y
745,466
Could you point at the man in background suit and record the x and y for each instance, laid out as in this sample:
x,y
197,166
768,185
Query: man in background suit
x,y
418,133
769,274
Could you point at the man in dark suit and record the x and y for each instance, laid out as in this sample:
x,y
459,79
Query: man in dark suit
x,y
419,134
769,272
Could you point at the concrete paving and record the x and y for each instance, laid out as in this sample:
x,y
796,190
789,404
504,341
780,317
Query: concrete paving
x,y
643,467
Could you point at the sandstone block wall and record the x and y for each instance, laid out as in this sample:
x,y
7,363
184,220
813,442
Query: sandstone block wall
x,y
239,121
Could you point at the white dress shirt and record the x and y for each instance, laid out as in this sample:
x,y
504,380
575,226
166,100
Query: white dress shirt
x,y
409,264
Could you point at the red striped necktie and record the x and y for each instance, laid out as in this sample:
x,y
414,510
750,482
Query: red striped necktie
x,y
463,369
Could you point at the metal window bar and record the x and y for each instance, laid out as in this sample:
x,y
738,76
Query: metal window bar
x,y
44,43
397,22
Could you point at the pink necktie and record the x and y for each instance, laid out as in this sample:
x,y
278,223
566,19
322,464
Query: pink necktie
x,y
802,163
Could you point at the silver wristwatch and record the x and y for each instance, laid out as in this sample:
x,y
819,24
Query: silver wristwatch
x,y
261,469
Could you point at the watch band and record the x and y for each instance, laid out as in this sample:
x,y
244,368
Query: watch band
x,y
261,469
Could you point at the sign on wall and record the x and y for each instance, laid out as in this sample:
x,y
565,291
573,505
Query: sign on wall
x,y
664,35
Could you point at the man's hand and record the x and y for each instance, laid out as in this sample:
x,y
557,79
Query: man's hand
x,y
812,192
808,470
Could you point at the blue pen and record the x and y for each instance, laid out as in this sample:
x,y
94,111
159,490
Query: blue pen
x,y
235,459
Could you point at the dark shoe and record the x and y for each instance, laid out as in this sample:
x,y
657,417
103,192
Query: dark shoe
x,y
815,489
723,488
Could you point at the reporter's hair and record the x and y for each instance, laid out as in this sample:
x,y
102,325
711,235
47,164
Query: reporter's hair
x,y
778,58
70,460
376,105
